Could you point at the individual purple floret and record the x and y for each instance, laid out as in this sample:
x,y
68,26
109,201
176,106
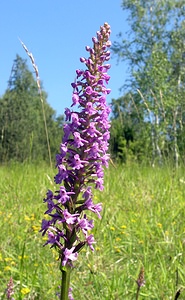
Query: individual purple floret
x,y
70,295
82,157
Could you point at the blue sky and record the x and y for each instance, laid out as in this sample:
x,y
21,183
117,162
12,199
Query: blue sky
x,y
56,32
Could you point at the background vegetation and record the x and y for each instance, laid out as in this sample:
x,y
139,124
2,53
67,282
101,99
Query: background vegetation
x,y
142,225
148,120
22,128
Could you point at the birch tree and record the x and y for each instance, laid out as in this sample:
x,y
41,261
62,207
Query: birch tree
x,y
155,51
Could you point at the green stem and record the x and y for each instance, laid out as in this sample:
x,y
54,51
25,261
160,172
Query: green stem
x,y
137,294
65,282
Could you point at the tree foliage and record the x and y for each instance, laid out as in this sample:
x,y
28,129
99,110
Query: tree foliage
x,y
21,121
155,51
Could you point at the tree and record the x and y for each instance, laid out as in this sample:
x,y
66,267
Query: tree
x,y
21,120
128,129
155,51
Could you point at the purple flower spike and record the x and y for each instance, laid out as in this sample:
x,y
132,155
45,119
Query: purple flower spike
x,y
10,289
83,155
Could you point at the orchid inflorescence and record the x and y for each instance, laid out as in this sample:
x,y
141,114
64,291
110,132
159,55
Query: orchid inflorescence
x,y
10,289
83,154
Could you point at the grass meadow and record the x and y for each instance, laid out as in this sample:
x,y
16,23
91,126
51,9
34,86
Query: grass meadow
x,y
143,224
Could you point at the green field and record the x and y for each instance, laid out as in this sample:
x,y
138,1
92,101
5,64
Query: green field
x,y
143,224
